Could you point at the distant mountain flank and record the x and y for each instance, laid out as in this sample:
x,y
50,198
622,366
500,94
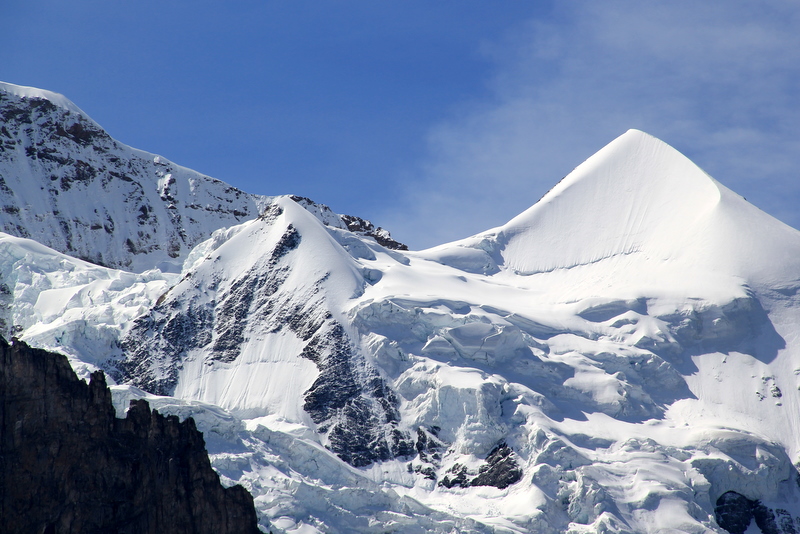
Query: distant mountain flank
x,y
67,184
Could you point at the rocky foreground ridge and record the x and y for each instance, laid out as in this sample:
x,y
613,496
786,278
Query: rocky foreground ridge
x,y
68,465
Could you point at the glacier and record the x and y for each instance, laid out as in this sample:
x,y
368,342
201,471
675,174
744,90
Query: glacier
x,y
617,358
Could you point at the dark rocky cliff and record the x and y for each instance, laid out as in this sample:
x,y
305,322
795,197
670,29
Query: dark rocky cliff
x,y
68,465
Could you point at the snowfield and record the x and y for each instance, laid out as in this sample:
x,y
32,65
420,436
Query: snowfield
x,y
617,358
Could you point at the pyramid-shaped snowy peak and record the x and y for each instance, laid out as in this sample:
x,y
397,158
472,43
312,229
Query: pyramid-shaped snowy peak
x,y
640,200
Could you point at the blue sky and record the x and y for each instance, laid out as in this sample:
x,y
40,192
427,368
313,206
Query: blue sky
x,y
435,119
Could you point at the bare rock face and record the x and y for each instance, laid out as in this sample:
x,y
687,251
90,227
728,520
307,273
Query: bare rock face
x,y
68,465
500,470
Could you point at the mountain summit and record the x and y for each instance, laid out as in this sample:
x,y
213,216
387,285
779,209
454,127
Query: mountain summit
x,y
637,206
621,357
639,196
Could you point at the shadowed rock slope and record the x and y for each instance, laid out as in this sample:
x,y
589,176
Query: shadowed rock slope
x,y
68,465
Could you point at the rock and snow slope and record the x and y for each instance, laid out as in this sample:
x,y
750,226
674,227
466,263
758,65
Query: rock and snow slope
x,y
67,184
617,358
256,326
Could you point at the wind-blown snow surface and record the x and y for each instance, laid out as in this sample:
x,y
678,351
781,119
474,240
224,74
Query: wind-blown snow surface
x,y
614,359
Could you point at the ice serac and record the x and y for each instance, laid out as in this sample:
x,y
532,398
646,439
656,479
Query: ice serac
x,y
67,184
55,301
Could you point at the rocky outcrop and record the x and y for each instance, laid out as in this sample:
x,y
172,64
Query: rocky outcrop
x,y
68,465
351,403
360,226
734,513
354,224
500,470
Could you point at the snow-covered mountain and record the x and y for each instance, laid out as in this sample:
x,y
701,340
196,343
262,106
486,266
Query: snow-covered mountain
x,y
621,357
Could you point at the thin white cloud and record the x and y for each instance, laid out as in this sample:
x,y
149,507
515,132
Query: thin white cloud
x,y
719,81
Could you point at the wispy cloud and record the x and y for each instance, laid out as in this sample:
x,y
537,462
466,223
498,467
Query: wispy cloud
x,y
719,81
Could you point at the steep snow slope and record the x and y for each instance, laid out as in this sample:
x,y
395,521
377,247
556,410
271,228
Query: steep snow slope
x,y
256,327
640,198
620,357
